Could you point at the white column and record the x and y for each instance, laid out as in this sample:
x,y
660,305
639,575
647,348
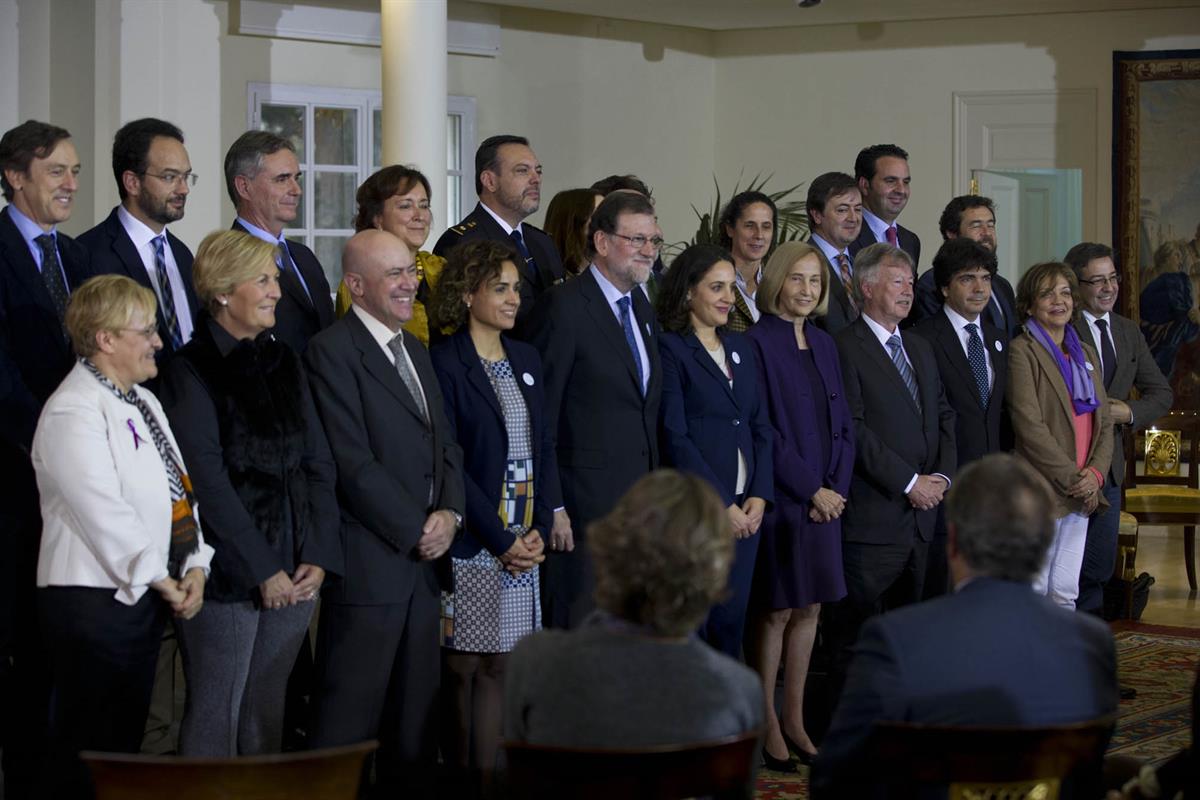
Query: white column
x,y
414,87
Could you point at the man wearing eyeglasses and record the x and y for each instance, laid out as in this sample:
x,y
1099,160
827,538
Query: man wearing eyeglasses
x,y
599,343
154,176
1125,363
508,180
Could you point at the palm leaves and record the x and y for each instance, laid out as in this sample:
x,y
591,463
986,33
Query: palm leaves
x,y
793,221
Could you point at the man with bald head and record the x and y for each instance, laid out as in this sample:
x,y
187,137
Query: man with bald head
x,y
401,493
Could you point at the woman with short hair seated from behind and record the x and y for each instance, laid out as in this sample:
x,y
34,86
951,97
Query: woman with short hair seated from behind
x,y
634,674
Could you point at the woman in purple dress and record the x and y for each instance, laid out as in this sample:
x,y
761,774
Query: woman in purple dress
x,y
800,556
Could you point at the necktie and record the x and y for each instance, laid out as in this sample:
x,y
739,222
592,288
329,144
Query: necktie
x,y
978,360
631,340
848,282
52,274
288,275
1107,355
906,373
892,239
164,290
396,345
530,272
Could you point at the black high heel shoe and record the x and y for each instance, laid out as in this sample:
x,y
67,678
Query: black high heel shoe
x,y
776,764
802,755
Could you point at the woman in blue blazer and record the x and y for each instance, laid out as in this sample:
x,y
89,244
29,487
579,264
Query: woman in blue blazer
x,y
713,423
492,388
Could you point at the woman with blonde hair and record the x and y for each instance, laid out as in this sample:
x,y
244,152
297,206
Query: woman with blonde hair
x,y
120,545
634,674
264,477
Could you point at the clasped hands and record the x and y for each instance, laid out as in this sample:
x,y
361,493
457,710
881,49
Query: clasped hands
x,y
747,518
1087,489
527,551
185,595
279,590
927,492
826,505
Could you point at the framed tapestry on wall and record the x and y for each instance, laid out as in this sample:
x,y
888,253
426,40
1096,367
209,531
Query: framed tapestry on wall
x,y
1156,206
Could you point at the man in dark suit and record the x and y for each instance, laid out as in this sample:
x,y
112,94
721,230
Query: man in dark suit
x,y
154,176
993,653
835,210
972,361
39,268
972,217
508,180
400,488
1126,364
262,177
882,174
904,438
599,344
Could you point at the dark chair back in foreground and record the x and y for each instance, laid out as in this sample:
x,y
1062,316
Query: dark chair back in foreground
x,y
330,774
984,763
724,769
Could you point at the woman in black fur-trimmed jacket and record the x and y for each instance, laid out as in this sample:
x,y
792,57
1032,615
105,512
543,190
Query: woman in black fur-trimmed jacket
x,y
264,486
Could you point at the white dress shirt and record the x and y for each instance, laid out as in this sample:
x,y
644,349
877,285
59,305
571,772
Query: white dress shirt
x,y
143,242
612,294
1091,318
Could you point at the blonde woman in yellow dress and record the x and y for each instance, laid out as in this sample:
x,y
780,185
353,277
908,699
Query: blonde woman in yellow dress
x,y
396,199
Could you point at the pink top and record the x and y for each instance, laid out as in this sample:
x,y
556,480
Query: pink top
x,y
1083,437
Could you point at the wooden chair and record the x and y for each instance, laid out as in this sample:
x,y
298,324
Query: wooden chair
x,y
724,768
1159,493
977,763
330,774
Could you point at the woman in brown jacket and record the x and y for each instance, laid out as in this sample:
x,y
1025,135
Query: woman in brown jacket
x,y
1059,416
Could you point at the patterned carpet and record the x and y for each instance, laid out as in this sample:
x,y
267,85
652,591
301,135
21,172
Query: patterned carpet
x,y
1159,661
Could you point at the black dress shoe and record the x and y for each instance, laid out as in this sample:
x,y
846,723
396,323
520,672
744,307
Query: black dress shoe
x,y
1125,693
802,755
777,764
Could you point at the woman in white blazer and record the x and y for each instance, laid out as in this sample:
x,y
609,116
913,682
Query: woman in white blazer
x,y
120,545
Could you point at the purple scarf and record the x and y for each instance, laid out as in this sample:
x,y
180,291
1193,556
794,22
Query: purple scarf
x,y
1075,372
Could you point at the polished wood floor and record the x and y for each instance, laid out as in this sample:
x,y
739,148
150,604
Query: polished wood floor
x,y
1160,552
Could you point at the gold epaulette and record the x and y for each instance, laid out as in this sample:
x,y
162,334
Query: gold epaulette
x,y
466,226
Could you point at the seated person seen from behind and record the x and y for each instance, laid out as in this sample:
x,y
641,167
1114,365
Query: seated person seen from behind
x,y
992,653
634,674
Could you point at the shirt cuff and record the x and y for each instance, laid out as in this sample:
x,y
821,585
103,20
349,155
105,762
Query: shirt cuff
x,y
946,478
911,483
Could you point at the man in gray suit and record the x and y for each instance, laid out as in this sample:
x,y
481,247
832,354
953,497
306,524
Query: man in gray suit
x,y
1126,363
400,489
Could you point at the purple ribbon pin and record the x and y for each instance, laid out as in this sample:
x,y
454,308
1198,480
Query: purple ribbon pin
x,y
137,440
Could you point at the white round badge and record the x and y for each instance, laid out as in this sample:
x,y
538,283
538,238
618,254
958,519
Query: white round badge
x,y
1089,366
736,358
525,376
999,346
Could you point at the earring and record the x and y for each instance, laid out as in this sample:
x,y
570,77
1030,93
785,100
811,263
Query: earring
x,y
468,305
223,301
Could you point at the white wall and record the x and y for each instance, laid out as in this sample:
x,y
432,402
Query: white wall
x,y
820,94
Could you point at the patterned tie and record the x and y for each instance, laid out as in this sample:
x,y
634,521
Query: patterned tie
x,y
906,373
978,360
1107,355
164,291
892,239
289,276
52,274
631,340
396,345
844,271
530,272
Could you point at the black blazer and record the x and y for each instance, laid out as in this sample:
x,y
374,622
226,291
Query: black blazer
x,y
909,242
838,311
387,461
928,300
606,431
296,319
113,253
477,424
976,432
894,440
547,265
35,354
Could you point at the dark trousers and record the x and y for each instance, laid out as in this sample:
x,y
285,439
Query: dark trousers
x,y
879,578
1099,553
937,567
567,585
377,676
726,622
102,654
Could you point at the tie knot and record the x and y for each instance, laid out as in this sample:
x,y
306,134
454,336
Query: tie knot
x,y
396,344
516,236
1102,324
894,341
45,241
159,243
971,328
623,303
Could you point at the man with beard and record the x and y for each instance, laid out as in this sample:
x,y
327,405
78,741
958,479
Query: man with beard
x,y
508,180
972,217
154,176
882,174
599,344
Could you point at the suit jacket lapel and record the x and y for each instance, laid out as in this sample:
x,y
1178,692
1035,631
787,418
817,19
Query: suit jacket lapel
x,y
606,322
644,314
1050,366
22,262
706,362
475,374
377,364
947,339
883,360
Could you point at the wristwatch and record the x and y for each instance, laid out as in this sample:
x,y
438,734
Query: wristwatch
x,y
457,519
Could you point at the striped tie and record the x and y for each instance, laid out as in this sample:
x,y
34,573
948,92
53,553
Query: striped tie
x,y
847,282
170,317
906,373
